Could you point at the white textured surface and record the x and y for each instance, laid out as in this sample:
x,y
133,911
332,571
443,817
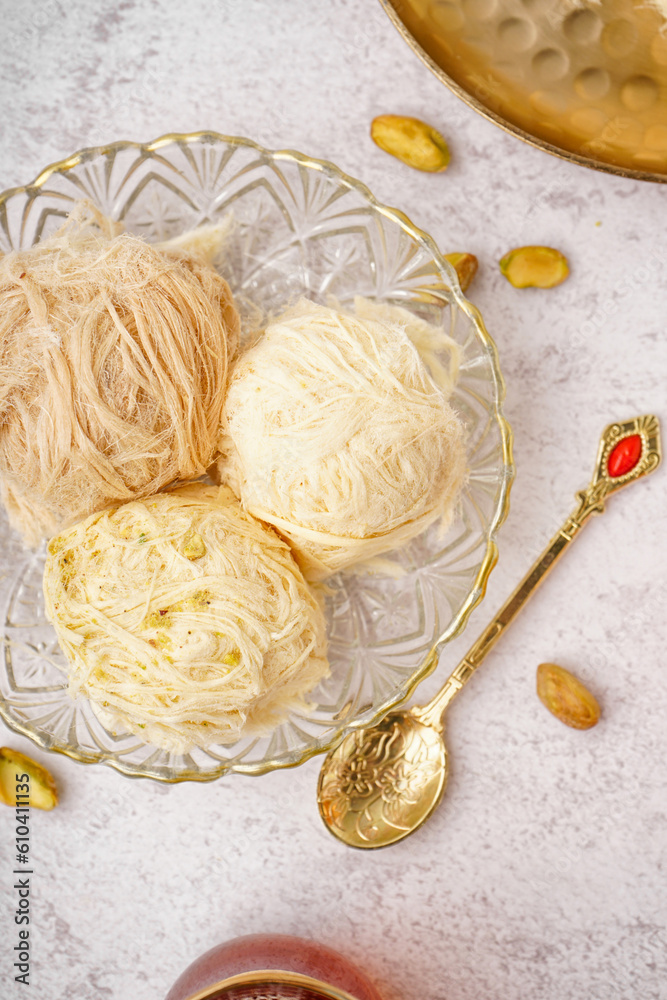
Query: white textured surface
x,y
542,875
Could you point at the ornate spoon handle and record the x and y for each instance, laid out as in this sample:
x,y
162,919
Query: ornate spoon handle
x,y
627,452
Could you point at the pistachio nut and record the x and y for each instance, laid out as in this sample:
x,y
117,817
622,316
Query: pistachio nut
x,y
566,697
412,141
465,265
24,782
534,267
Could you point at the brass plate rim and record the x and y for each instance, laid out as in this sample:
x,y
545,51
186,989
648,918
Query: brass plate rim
x,y
503,123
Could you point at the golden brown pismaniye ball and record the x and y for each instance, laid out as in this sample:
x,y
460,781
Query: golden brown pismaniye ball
x,y
114,358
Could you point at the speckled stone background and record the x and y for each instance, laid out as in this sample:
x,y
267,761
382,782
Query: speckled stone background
x,y
542,876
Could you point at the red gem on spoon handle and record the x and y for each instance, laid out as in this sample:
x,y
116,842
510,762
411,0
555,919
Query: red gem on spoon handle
x,y
624,456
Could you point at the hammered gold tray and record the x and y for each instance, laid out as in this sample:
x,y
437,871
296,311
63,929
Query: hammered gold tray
x,y
584,80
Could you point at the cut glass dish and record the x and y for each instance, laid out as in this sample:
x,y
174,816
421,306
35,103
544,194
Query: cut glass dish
x,y
301,227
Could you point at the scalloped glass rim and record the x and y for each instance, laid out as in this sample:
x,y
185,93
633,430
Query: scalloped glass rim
x,y
443,293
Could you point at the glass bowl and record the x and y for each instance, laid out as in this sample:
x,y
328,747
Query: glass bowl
x,y
301,227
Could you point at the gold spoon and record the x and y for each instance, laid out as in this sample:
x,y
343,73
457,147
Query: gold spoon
x,y
380,784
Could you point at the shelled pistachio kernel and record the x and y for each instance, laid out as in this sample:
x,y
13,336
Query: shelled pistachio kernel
x,y
42,788
534,267
194,547
566,697
465,265
412,141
